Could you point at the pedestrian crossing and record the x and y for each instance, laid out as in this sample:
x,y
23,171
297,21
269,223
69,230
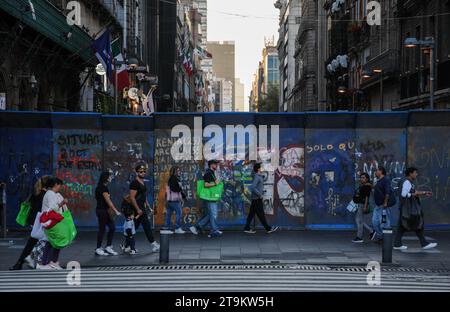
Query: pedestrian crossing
x,y
237,280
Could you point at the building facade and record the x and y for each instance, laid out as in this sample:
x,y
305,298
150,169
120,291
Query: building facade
x,y
223,61
290,13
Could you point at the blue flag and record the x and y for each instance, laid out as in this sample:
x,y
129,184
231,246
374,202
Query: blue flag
x,y
103,51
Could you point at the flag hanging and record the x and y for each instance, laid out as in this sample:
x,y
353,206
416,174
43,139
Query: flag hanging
x,y
149,104
102,49
120,70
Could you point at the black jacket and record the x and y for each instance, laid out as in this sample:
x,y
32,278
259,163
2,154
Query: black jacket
x,y
36,206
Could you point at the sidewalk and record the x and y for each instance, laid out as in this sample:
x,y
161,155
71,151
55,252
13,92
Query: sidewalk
x,y
303,247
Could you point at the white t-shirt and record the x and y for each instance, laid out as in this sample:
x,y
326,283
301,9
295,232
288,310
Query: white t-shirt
x,y
51,201
406,189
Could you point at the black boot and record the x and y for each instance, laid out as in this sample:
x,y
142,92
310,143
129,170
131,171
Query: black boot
x,y
16,267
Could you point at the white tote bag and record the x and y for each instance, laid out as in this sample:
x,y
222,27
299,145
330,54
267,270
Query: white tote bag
x,y
352,207
38,230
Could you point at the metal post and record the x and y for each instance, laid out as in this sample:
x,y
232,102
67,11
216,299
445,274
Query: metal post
x,y
116,90
4,212
387,241
381,92
164,246
432,74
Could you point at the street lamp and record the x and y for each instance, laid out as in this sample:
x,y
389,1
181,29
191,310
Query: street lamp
x,y
427,44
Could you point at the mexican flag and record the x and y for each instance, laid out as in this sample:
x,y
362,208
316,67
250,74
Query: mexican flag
x,y
121,70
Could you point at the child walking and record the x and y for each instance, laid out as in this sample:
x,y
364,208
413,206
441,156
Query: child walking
x,y
129,231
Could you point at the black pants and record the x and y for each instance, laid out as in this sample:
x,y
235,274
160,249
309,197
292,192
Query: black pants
x,y
401,230
257,208
27,249
146,225
105,220
129,240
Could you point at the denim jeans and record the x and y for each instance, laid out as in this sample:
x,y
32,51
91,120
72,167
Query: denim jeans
x,y
377,219
210,217
171,208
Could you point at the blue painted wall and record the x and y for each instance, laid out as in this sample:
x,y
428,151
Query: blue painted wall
x,y
321,156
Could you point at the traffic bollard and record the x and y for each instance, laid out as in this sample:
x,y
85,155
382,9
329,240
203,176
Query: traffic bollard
x,y
387,245
164,246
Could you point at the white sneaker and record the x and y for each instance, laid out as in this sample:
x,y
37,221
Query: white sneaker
x,y
193,230
125,249
403,247
100,252
179,231
250,231
429,246
133,252
43,267
111,251
155,247
55,266
30,262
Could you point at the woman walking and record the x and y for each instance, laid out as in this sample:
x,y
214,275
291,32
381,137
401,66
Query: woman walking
x,y
257,207
53,200
36,199
105,214
361,198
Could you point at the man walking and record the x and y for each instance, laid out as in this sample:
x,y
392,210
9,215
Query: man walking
x,y
212,206
257,190
383,200
138,196
411,214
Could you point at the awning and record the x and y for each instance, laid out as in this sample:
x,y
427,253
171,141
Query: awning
x,y
46,19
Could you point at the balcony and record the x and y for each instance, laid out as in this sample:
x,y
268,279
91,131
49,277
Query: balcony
x,y
388,61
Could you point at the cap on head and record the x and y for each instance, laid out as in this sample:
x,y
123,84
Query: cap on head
x,y
141,167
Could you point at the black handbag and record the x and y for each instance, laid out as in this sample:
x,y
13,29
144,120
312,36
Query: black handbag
x,y
411,214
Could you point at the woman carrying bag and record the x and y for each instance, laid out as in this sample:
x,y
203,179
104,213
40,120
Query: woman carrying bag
x,y
361,199
411,214
36,199
52,201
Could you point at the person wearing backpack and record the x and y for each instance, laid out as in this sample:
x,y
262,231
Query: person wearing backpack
x,y
212,205
411,214
384,199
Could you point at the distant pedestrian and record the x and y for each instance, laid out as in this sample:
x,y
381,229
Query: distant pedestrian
x,y
411,214
257,207
139,201
210,217
53,200
106,211
175,198
361,199
384,199
36,199
129,232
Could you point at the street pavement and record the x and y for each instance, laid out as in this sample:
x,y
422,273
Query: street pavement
x,y
226,278
284,247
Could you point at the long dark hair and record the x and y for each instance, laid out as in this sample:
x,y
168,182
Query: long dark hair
x,y
366,175
104,177
173,171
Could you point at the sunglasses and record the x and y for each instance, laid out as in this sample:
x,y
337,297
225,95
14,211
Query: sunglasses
x,y
142,171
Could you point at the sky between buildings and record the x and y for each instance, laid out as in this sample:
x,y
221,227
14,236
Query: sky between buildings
x,y
246,22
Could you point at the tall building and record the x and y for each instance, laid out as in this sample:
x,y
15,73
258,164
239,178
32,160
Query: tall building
x,y
267,78
223,61
226,95
202,6
290,12
239,100
310,88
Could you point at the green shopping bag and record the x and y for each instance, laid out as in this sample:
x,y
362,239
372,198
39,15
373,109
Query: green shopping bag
x,y
63,233
24,211
211,193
